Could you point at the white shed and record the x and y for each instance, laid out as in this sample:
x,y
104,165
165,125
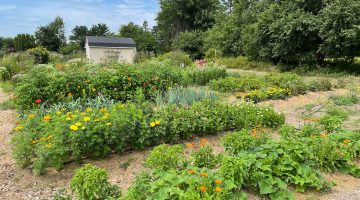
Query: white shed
x,y
110,49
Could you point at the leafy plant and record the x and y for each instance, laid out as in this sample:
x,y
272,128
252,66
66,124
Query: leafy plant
x,y
205,157
165,157
90,182
345,100
41,54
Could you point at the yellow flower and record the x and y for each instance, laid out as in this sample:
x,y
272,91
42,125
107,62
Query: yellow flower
x,y
217,189
93,89
83,128
74,128
103,110
68,119
34,141
96,120
157,122
47,118
88,109
78,124
108,124
49,146
18,128
58,113
86,119
83,114
73,116
69,113
49,137
121,106
347,141
152,124
31,116
105,117
204,174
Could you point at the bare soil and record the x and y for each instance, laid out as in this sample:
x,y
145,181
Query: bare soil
x,y
21,184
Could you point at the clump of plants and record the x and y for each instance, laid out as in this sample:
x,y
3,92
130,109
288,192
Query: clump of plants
x,y
49,138
345,100
91,183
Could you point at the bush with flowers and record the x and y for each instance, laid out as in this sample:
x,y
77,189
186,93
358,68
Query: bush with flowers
x,y
49,138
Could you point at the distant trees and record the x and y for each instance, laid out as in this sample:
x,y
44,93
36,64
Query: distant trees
x,y
79,33
144,38
24,42
51,36
191,42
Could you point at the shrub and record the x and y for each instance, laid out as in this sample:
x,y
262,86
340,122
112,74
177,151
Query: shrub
x,y
345,100
49,138
4,74
237,84
175,58
15,63
194,76
319,85
165,157
205,157
41,54
213,53
91,183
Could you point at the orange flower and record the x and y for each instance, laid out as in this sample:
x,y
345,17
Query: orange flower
x,y
204,140
253,132
347,141
70,94
218,189
192,171
190,145
204,174
218,182
203,189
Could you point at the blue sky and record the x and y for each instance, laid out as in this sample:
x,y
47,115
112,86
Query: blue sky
x,y
24,16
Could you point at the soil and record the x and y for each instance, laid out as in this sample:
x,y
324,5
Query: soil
x,y
21,184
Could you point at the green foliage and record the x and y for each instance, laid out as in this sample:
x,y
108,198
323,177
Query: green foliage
x,y
165,157
79,34
144,39
237,84
99,30
90,182
345,100
69,48
175,58
191,43
51,36
49,138
213,53
24,42
205,157
15,63
195,76
40,53
184,96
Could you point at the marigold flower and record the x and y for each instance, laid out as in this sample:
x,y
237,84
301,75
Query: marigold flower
x,y
49,137
218,182
58,113
86,119
157,122
204,141
68,118
38,101
108,124
83,128
347,141
190,145
204,174
218,189
47,118
74,128
70,94
78,124
88,109
34,141
18,128
192,171
152,124
31,116
203,189
49,146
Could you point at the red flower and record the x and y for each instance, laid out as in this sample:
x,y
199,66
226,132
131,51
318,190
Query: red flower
x,y
38,101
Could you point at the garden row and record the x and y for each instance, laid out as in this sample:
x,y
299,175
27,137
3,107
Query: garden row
x,y
251,161
273,86
52,137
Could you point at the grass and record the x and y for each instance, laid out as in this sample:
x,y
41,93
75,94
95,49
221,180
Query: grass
x,y
7,86
7,105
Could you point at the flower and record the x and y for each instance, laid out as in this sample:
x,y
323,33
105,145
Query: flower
x,y
70,94
78,124
38,101
83,128
34,141
204,174
88,109
157,122
68,118
74,128
218,189
31,116
218,182
86,119
204,141
50,137
190,145
49,146
58,113
18,128
47,118
347,141
108,124
152,124
253,132
192,171
203,189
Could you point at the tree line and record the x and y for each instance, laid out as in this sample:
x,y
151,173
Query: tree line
x,y
280,31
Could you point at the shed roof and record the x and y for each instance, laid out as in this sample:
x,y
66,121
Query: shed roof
x,y
96,41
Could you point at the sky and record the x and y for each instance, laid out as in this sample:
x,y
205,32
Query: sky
x,y
24,16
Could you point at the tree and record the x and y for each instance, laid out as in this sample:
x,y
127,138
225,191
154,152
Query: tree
x,y
340,29
184,15
99,30
51,36
79,34
8,44
145,40
145,25
24,42
191,42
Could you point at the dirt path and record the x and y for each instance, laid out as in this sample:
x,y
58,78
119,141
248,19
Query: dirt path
x,y
21,184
